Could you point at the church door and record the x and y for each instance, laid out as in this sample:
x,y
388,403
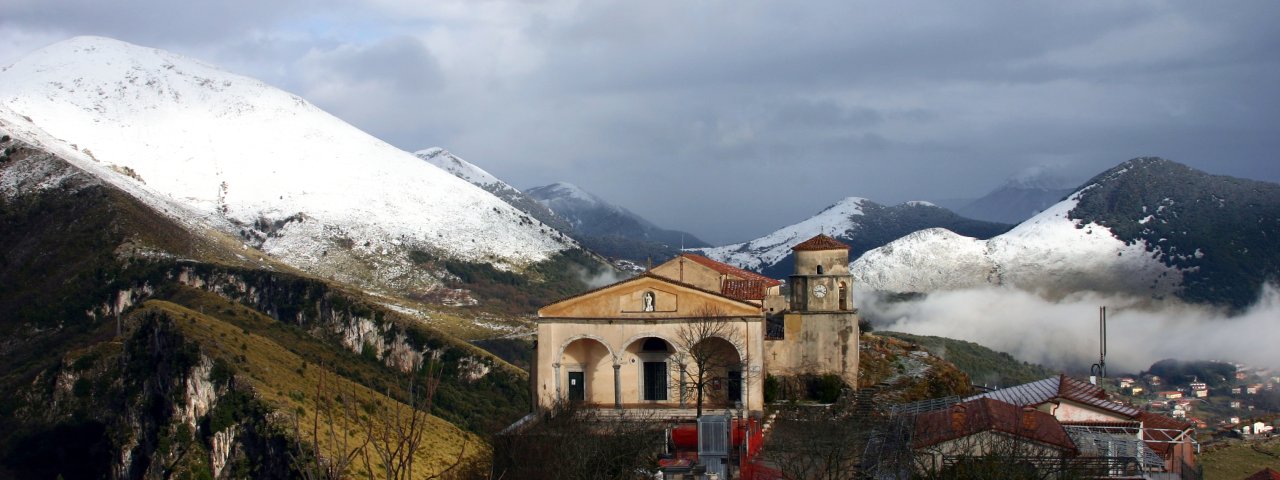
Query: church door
x,y
577,387
655,380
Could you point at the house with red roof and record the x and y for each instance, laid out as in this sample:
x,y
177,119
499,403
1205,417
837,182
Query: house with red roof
x,y
1101,426
986,427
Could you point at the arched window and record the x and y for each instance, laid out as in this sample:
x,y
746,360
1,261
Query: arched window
x,y
844,296
653,344
819,269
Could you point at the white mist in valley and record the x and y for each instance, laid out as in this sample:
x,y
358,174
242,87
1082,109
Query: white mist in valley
x,y
1063,333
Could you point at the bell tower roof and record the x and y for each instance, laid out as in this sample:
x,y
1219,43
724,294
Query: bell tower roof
x,y
820,242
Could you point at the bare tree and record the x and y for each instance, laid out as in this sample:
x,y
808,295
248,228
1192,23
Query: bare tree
x,y
571,442
335,409
707,346
396,437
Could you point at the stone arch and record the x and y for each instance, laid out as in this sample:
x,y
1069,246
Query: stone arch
x,y
819,269
742,356
844,295
612,353
639,336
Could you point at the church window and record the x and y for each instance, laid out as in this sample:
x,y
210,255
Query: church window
x,y
819,269
652,344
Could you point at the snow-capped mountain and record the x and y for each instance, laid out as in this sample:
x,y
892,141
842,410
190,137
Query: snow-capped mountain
x,y
1148,227
230,152
1020,197
858,222
610,229
479,177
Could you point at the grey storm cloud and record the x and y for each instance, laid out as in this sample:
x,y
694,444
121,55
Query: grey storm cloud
x,y
730,119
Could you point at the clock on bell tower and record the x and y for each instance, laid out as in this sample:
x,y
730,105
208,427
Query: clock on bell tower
x,y
821,282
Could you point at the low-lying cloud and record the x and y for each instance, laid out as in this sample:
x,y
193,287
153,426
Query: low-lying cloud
x,y
1063,334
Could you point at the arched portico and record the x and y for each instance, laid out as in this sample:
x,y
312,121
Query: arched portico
x,y
582,371
717,366
648,368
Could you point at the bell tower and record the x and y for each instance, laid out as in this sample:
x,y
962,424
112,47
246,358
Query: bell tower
x,y
820,329
821,282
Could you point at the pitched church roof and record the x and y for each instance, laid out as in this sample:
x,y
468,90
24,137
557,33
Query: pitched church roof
x,y
820,242
726,269
643,276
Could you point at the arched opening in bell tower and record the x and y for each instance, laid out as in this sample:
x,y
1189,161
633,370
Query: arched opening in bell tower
x,y
844,296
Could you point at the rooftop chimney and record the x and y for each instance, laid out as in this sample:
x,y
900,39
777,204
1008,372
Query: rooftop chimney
x,y
1029,418
958,417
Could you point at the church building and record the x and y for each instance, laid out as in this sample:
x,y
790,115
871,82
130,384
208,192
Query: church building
x,y
639,343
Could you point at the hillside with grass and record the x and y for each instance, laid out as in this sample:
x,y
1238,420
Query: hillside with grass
x,y
1239,459
137,344
985,367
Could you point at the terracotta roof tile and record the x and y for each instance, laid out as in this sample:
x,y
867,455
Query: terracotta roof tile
x,y
974,416
1160,431
1265,474
744,289
727,269
820,242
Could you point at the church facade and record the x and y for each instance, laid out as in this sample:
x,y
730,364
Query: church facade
x,y
693,324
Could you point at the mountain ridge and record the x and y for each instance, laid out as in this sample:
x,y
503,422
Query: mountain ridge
x,y
610,229
1148,227
856,221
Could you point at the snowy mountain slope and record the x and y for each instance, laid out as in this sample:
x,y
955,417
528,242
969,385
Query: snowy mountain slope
x,y
235,154
763,252
1148,227
1220,231
858,222
1050,252
479,177
610,229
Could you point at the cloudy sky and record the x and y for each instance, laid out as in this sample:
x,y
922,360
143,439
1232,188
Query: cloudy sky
x,y
732,118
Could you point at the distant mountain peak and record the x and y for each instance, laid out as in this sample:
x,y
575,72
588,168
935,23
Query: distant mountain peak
x,y
567,191
609,229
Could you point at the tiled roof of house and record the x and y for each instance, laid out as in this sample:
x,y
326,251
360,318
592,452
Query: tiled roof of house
x,y
1265,474
983,414
727,269
1062,386
820,242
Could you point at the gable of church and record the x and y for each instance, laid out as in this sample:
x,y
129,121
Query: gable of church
x,y
647,296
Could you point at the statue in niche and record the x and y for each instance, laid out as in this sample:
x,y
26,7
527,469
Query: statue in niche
x,y
648,301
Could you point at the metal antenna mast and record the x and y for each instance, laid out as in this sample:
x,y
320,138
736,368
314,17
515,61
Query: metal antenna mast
x,y
1099,370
